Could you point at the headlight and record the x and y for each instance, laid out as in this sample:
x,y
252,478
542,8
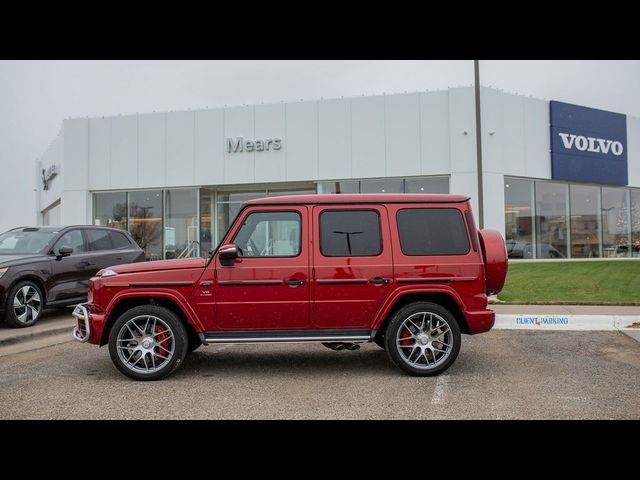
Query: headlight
x,y
3,271
108,273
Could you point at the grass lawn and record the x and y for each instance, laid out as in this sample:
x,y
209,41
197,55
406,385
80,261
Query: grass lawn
x,y
593,282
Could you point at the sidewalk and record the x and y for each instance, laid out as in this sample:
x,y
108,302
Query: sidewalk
x,y
51,322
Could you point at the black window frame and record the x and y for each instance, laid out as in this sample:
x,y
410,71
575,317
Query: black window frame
x,y
464,224
377,212
251,212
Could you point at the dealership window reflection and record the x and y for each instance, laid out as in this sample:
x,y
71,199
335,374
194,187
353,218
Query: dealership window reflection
x,y
585,221
181,224
615,222
518,215
552,211
145,222
110,209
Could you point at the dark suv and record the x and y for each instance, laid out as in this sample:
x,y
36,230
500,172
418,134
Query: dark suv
x,y
51,266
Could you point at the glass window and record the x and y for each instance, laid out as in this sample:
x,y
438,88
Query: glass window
x,y
24,241
269,234
119,240
206,221
352,233
635,223
279,193
227,213
427,185
99,240
518,217
432,231
181,223
552,211
585,221
145,222
615,222
71,239
382,186
339,187
110,210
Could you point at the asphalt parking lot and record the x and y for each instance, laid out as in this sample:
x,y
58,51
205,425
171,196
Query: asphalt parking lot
x,y
499,375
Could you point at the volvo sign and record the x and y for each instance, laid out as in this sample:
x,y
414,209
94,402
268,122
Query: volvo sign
x,y
588,145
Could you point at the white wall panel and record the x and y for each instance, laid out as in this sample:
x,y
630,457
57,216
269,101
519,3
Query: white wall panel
x,y
434,133
239,166
99,153
152,150
270,164
633,150
301,141
209,147
402,118
465,184
368,137
124,152
75,207
54,155
76,154
180,149
492,121
335,139
493,185
537,142
462,118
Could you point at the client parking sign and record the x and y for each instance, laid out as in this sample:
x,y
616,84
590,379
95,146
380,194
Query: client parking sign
x,y
588,145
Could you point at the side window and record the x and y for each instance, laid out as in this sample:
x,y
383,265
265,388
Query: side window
x,y
99,240
432,231
350,233
71,239
269,234
119,240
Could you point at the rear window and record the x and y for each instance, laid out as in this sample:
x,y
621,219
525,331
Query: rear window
x,y
350,233
432,231
99,240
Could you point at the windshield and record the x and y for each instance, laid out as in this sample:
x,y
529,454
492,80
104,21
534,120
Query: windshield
x,y
19,242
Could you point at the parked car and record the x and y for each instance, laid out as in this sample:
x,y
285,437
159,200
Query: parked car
x,y
525,250
408,272
51,266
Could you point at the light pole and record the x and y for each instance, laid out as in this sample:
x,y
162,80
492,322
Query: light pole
x,y
476,71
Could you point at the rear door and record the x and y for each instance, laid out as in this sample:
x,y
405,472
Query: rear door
x,y
109,248
353,265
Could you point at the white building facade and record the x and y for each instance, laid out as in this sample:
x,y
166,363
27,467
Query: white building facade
x,y
177,179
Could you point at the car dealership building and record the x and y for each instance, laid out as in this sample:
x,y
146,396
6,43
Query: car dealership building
x,y
558,180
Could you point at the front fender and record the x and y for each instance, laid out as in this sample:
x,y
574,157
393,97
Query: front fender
x,y
168,294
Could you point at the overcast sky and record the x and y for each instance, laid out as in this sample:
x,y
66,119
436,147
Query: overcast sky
x,y
35,96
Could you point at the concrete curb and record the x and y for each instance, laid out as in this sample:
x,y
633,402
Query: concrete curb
x,y
29,336
564,322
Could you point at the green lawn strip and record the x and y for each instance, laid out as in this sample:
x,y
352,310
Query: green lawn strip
x,y
573,283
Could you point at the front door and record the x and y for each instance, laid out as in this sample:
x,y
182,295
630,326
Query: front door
x,y
353,263
267,286
70,275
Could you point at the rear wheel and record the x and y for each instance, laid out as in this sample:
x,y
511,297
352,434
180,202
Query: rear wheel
x,y
25,302
148,342
423,339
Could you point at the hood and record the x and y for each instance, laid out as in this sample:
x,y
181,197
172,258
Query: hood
x,y
11,260
159,265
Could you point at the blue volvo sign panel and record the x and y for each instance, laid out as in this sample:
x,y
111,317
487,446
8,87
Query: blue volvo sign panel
x,y
588,145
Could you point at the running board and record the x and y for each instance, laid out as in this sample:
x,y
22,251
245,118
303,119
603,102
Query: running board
x,y
287,336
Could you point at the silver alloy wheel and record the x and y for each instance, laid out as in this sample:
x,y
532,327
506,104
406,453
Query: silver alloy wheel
x,y
145,344
27,304
424,340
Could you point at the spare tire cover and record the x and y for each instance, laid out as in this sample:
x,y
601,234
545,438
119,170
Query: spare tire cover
x,y
494,252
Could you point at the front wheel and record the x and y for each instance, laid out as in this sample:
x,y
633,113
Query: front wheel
x,y
148,342
423,339
24,304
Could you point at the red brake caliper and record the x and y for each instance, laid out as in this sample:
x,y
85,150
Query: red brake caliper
x,y
406,335
165,344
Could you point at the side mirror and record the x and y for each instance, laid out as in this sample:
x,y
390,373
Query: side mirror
x,y
227,254
64,252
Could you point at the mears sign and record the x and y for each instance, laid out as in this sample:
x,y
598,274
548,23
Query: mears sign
x,y
588,145
239,144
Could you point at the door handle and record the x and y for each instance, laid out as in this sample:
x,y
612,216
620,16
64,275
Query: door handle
x,y
380,281
294,282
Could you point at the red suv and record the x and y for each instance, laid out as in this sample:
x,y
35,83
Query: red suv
x,y
408,272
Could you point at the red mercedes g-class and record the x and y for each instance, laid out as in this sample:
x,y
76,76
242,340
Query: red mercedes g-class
x,y
408,272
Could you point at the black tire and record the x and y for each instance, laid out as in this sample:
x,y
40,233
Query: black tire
x,y
10,316
395,351
176,328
